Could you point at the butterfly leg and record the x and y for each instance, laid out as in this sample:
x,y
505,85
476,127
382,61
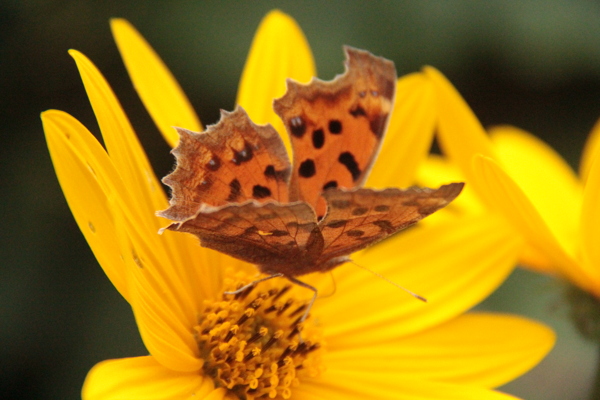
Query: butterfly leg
x,y
253,283
307,286
307,311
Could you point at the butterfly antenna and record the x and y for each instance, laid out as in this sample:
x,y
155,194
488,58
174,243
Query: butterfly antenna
x,y
333,285
413,294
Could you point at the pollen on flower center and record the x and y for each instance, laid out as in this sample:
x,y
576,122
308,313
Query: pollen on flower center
x,y
250,341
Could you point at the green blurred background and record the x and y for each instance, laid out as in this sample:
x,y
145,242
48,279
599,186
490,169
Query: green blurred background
x,y
534,64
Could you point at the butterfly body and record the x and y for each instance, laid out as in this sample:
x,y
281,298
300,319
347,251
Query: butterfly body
x,y
235,188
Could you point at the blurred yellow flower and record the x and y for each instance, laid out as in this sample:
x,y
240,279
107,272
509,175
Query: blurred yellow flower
x,y
530,185
366,341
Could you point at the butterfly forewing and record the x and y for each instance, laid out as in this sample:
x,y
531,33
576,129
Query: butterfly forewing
x,y
231,162
336,127
358,218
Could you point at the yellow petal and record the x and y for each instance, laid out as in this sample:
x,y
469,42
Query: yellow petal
x,y
162,299
157,87
459,132
130,161
279,51
545,178
454,265
121,142
505,196
532,258
144,378
86,175
590,224
477,349
363,384
409,134
590,151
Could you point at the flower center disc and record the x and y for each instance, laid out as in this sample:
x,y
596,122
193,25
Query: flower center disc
x,y
251,341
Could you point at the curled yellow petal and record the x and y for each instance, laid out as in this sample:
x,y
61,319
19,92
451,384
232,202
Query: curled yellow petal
x,y
143,378
408,136
86,175
279,51
459,132
545,178
504,195
590,223
157,87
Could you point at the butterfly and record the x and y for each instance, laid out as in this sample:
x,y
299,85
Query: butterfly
x,y
235,188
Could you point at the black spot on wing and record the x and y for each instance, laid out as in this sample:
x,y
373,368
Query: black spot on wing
x,y
318,138
335,127
382,208
330,185
235,189
272,173
337,223
358,111
297,127
360,211
355,233
347,159
385,225
260,192
307,168
213,164
243,155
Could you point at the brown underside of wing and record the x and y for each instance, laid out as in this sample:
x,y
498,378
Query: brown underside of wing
x,y
275,237
359,218
233,161
336,127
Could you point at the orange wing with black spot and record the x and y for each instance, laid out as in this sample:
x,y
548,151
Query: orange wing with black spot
x,y
234,188
336,127
231,162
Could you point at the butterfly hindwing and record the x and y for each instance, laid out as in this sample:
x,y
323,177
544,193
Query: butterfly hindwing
x,y
336,127
271,235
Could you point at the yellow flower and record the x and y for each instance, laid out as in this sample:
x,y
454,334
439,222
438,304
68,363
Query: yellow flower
x,y
368,340
530,185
